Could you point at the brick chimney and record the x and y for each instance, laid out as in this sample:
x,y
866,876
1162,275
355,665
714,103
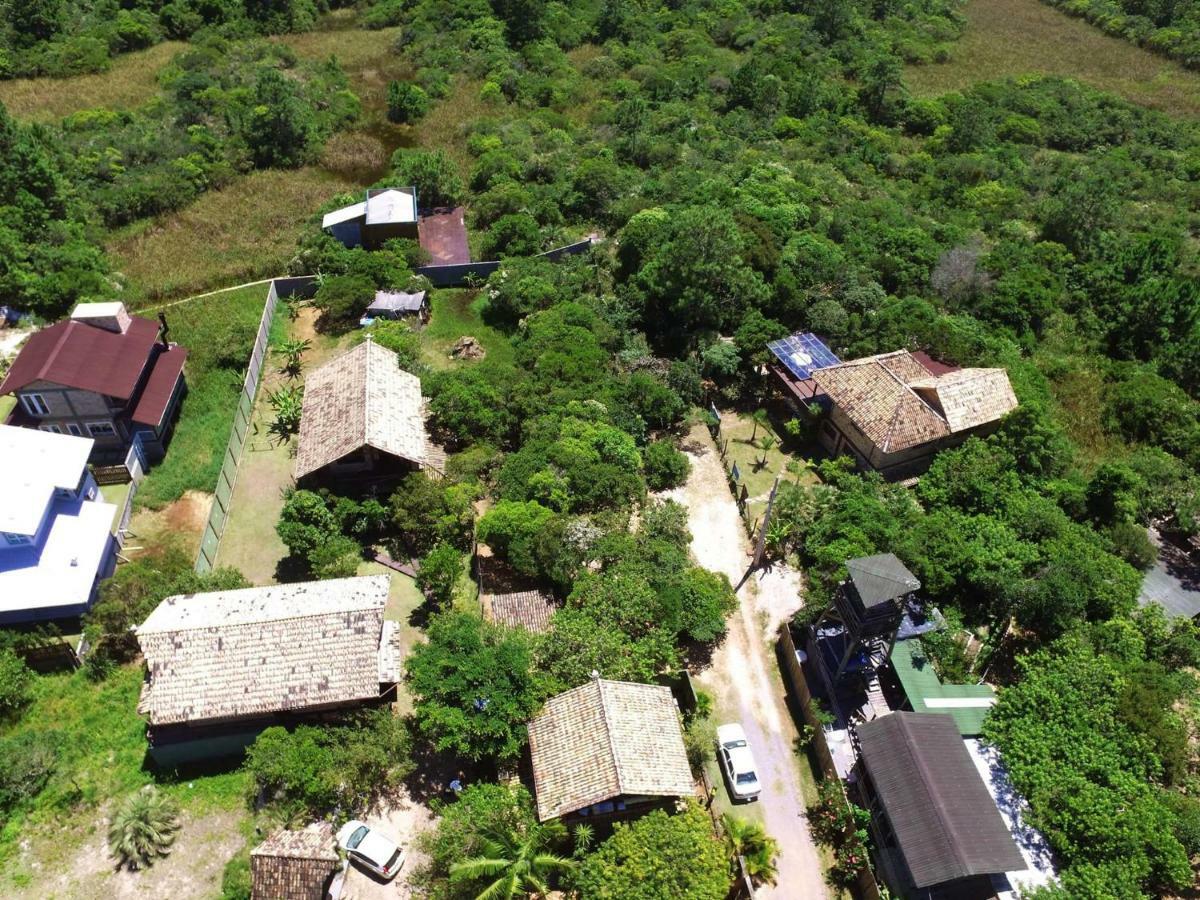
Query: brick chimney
x,y
109,316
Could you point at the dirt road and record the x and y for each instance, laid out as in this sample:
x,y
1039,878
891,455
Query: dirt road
x,y
744,677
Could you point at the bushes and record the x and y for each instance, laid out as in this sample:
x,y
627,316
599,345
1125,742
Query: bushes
x,y
666,467
326,533
342,301
439,573
27,760
432,173
406,102
15,680
311,770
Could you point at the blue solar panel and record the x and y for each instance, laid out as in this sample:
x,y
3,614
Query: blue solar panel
x,y
803,353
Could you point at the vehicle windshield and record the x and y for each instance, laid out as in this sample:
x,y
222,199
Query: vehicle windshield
x,y
735,744
355,839
747,778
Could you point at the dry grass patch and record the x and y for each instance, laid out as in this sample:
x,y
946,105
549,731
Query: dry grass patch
x,y
369,58
449,122
1021,37
132,80
245,231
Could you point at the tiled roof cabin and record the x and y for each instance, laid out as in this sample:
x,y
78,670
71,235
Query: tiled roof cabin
x,y
937,831
531,610
221,666
384,214
608,749
56,541
294,865
362,420
102,374
891,413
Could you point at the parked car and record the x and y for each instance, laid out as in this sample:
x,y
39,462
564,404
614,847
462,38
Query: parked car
x,y
371,848
733,750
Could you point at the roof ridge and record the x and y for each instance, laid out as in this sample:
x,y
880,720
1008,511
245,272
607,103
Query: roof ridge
x,y
53,354
930,779
259,621
608,736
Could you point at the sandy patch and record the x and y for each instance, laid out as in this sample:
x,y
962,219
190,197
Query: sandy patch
x,y
402,819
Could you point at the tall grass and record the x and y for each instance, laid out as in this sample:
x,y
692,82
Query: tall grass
x,y
219,334
246,231
1007,38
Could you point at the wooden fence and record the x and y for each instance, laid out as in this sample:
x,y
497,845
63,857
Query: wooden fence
x,y
306,286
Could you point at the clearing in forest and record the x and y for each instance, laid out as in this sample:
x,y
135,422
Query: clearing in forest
x,y
1006,38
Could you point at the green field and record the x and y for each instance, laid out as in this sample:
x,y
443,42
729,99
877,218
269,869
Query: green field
x,y
1006,38
219,333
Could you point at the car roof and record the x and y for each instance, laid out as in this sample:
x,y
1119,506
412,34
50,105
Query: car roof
x,y
742,759
730,732
376,847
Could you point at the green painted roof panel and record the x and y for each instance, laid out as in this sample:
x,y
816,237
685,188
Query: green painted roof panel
x,y
921,685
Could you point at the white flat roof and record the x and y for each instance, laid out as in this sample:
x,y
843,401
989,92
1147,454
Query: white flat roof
x,y
1035,849
32,464
63,573
345,214
87,310
391,207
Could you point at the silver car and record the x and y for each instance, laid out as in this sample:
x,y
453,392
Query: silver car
x,y
371,849
738,762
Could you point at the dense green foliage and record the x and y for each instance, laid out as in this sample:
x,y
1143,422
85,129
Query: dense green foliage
x,y
14,683
657,856
143,828
70,37
327,534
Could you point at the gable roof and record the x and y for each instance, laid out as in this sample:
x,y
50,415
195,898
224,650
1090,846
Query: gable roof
x,y
36,463
530,610
362,398
946,823
967,704
82,356
881,578
293,865
253,651
383,207
898,403
606,739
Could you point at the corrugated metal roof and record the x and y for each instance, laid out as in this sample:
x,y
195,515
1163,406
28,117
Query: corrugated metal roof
x,y
946,823
967,704
881,578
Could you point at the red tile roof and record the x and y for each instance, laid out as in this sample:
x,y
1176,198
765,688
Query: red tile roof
x,y
85,357
159,387
935,367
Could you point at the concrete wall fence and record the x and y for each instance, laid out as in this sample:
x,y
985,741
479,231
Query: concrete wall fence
x,y
305,286
462,273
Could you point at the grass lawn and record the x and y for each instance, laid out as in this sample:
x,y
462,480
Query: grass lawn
x,y
457,313
132,80
6,406
403,601
100,759
247,230
1020,37
737,428
219,333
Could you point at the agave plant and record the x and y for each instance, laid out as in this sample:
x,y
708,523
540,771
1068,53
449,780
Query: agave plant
x,y
756,848
293,354
144,828
286,402
517,862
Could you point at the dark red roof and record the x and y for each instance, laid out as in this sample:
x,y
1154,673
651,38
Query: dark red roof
x,y
159,387
934,366
85,357
443,234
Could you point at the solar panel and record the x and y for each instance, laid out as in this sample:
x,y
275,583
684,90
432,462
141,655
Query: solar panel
x,y
803,353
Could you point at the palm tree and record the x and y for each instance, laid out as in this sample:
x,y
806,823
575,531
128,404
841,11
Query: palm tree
x,y
756,848
758,417
293,351
144,828
519,862
767,444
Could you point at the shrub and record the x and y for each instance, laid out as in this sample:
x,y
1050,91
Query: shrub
x,y
15,679
433,174
27,760
666,467
342,300
439,573
406,102
143,828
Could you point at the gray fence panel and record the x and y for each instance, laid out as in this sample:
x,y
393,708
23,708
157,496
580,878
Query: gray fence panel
x,y
304,285
460,273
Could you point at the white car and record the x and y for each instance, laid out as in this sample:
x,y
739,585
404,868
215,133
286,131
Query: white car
x,y
738,762
371,848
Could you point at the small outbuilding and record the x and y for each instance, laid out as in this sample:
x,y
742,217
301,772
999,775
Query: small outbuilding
x,y
294,865
531,610
892,414
937,831
384,214
362,420
222,666
608,749
398,305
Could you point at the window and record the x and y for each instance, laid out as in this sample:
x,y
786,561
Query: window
x,y
54,429
35,404
101,429
74,429
17,540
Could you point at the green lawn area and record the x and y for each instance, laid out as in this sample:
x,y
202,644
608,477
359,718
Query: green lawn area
x,y
219,334
6,406
457,313
101,746
737,428
1006,38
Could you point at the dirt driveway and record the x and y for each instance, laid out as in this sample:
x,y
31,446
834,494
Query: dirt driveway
x,y
743,676
402,819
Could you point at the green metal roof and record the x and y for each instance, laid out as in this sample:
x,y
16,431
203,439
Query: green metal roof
x,y
925,691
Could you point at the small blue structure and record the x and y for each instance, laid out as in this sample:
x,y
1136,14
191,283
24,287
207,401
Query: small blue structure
x,y
803,353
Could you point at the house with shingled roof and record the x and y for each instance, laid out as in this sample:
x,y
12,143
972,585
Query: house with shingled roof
x,y
363,420
892,413
102,374
294,865
222,666
608,749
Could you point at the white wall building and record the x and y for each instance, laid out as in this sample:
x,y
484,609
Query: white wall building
x,y
56,541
